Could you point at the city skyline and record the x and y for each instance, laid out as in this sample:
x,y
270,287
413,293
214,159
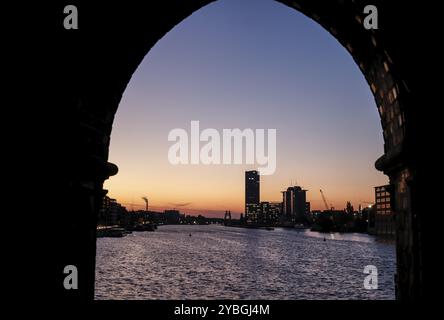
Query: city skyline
x,y
301,82
252,197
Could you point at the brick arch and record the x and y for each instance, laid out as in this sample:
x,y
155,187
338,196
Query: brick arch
x,y
113,39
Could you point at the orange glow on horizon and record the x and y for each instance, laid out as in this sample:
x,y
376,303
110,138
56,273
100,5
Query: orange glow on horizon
x,y
210,190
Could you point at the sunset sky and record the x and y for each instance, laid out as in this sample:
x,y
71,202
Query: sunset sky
x,y
236,65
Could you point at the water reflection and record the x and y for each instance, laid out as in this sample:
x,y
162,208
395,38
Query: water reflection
x,y
219,262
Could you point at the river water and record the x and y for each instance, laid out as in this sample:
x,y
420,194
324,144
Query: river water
x,y
218,262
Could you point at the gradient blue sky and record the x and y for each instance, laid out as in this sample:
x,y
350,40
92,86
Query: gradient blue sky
x,y
237,65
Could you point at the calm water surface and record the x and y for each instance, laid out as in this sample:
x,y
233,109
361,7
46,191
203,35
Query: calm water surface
x,y
218,262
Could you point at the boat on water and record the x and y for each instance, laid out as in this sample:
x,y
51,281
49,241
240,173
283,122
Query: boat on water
x,y
114,232
143,227
316,227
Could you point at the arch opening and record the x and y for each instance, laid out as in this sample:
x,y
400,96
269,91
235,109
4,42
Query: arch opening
x,y
379,54
350,49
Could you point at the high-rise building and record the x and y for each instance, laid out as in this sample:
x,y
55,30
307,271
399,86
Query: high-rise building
x,y
384,215
252,192
270,212
287,203
294,204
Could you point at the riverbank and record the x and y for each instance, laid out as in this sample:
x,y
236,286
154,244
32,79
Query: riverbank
x,y
117,231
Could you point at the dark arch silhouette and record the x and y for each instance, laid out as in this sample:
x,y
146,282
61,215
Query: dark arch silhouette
x,y
100,57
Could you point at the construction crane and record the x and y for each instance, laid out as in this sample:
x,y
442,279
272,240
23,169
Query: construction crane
x,y
325,202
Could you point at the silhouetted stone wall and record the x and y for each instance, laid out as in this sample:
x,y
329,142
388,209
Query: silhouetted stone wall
x,y
111,42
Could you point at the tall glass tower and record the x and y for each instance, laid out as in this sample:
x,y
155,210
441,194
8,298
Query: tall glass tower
x,y
252,191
